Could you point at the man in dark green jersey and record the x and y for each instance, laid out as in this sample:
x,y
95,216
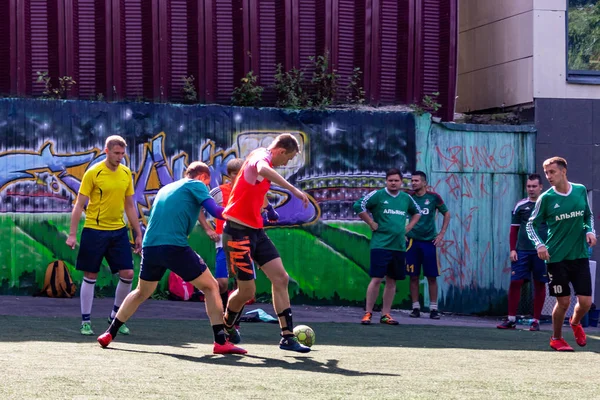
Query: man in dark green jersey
x,y
565,209
524,260
422,242
390,209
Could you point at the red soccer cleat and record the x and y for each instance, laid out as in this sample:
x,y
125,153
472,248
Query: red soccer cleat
x,y
105,339
560,345
228,348
580,337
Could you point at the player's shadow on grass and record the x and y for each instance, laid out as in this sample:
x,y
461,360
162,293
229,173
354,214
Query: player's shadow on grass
x,y
302,363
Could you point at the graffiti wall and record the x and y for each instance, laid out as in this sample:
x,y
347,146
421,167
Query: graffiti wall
x,y
480,172
46,146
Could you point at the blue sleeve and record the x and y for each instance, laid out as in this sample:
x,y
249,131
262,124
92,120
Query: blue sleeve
x,y
213,209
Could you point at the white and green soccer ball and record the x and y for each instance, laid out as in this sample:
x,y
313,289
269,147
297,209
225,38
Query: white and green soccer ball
x,y
305,335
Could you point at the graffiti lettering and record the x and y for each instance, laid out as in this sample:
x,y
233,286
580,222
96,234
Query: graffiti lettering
x,y
459,158
473,187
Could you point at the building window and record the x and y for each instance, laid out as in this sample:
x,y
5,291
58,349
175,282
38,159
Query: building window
x,y
583,41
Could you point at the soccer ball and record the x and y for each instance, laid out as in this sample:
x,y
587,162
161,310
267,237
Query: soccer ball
x,y
305,335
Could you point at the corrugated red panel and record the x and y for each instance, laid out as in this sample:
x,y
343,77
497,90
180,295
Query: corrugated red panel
x,y
269,31
388,51
348,41
7,67
406,49
436,53
40,48
88,47
310,32
135,33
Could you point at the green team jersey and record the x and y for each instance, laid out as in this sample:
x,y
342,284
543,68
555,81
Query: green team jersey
x,y
391,214
520,217
568,217
428,203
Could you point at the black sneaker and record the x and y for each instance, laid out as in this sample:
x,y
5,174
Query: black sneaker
x,y
416,313
434,314
233,335
291,343
507,325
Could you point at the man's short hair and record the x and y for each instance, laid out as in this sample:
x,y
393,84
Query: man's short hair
x,y
393,171
196,168
561,162
533,177
234,165
114,140
286,141
422,174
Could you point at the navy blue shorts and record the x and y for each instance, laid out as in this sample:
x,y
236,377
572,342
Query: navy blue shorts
x,y
390,263
528,263
421,253
184,261
243,246
95,245
221,264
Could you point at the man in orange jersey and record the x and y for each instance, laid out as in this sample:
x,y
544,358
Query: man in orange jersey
x,y
245,241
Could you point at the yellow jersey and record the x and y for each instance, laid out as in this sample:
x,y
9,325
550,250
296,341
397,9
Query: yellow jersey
x,y
107,190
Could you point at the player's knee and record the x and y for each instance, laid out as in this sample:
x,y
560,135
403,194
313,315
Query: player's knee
x,y
223,285
281,280
585,302
563,302
432,280
414,279
126,274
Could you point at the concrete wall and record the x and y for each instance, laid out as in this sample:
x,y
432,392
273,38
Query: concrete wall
x,y
495,54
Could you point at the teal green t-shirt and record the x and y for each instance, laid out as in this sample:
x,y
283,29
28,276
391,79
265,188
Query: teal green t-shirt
x,y
174,213
391,214
569,219
429,203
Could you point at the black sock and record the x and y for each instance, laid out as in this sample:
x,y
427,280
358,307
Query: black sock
x,y
113,329
239,316
230,317
289,325
224,298
219,333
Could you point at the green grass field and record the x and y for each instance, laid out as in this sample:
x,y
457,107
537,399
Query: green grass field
x,y
46,358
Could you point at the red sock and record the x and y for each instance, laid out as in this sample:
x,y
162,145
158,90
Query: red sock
x,y
539,297
514,296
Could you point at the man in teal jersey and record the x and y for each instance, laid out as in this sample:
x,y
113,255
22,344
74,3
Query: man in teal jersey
x,y
422,242
390,209
565,210
174,213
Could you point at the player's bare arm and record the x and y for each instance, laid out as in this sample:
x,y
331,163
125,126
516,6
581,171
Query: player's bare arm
x,y
132,217
214,236
413,221
75,218
368,220
269,173
439,239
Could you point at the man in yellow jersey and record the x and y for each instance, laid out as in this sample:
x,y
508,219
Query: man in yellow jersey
x,y
107,189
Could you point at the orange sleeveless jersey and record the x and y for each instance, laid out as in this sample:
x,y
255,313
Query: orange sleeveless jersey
x,y
246,199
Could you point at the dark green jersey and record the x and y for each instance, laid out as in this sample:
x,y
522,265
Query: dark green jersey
x,y
391,213
568,217
520,217
429,203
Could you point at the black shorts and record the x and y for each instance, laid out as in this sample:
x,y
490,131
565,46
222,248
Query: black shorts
x,y
390,263
576,272
96,244
184,261
242,245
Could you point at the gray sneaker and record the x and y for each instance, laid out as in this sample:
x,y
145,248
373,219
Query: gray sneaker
x,y
416,313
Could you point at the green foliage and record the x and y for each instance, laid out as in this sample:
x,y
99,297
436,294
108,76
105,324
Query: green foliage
x,y
356,93
189,89
249,93
584,35
65,83
428,104
324,81
289,87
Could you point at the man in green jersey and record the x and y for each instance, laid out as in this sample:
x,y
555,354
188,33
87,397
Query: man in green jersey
x,y
565,209
422,242
390,209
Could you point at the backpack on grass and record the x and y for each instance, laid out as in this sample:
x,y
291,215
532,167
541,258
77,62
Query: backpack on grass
x,y
58,282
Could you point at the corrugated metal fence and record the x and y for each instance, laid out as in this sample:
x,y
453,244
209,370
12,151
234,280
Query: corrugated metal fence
x,y
141,49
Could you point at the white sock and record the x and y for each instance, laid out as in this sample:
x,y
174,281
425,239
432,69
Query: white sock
x,y
86,297
416,304
512,318
123,289
433,306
